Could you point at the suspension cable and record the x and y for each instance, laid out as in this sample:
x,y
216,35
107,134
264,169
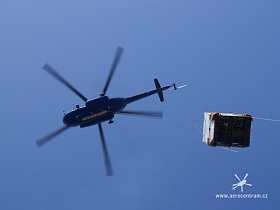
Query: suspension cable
x,y
260,118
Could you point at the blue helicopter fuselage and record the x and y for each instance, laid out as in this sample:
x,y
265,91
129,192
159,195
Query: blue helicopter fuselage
x,y
95,111
102,109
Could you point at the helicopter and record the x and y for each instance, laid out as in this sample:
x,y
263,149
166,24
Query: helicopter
x,y
102,109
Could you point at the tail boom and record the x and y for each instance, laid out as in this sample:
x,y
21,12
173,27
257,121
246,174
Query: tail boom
x,y
149,93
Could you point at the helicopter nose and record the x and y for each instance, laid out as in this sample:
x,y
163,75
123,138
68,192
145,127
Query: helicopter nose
x,y
66,120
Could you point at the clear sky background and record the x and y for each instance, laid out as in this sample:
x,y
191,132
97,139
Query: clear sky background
x,y
228,52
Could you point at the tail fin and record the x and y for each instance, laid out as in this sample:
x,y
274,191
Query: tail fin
x,y
160,94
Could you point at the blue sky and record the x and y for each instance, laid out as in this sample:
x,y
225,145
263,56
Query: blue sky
x,y
226,51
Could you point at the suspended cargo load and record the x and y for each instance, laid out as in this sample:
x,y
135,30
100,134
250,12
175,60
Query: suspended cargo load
x,y
227,129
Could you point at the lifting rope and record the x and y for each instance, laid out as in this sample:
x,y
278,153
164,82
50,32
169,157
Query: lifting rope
x,y
198,127
260,118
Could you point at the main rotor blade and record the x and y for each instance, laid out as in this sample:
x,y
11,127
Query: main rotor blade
x,y
113,68
49,137
105,152
48,68
155,114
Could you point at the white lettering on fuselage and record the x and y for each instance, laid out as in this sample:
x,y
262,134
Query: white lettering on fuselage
x,y
94,115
